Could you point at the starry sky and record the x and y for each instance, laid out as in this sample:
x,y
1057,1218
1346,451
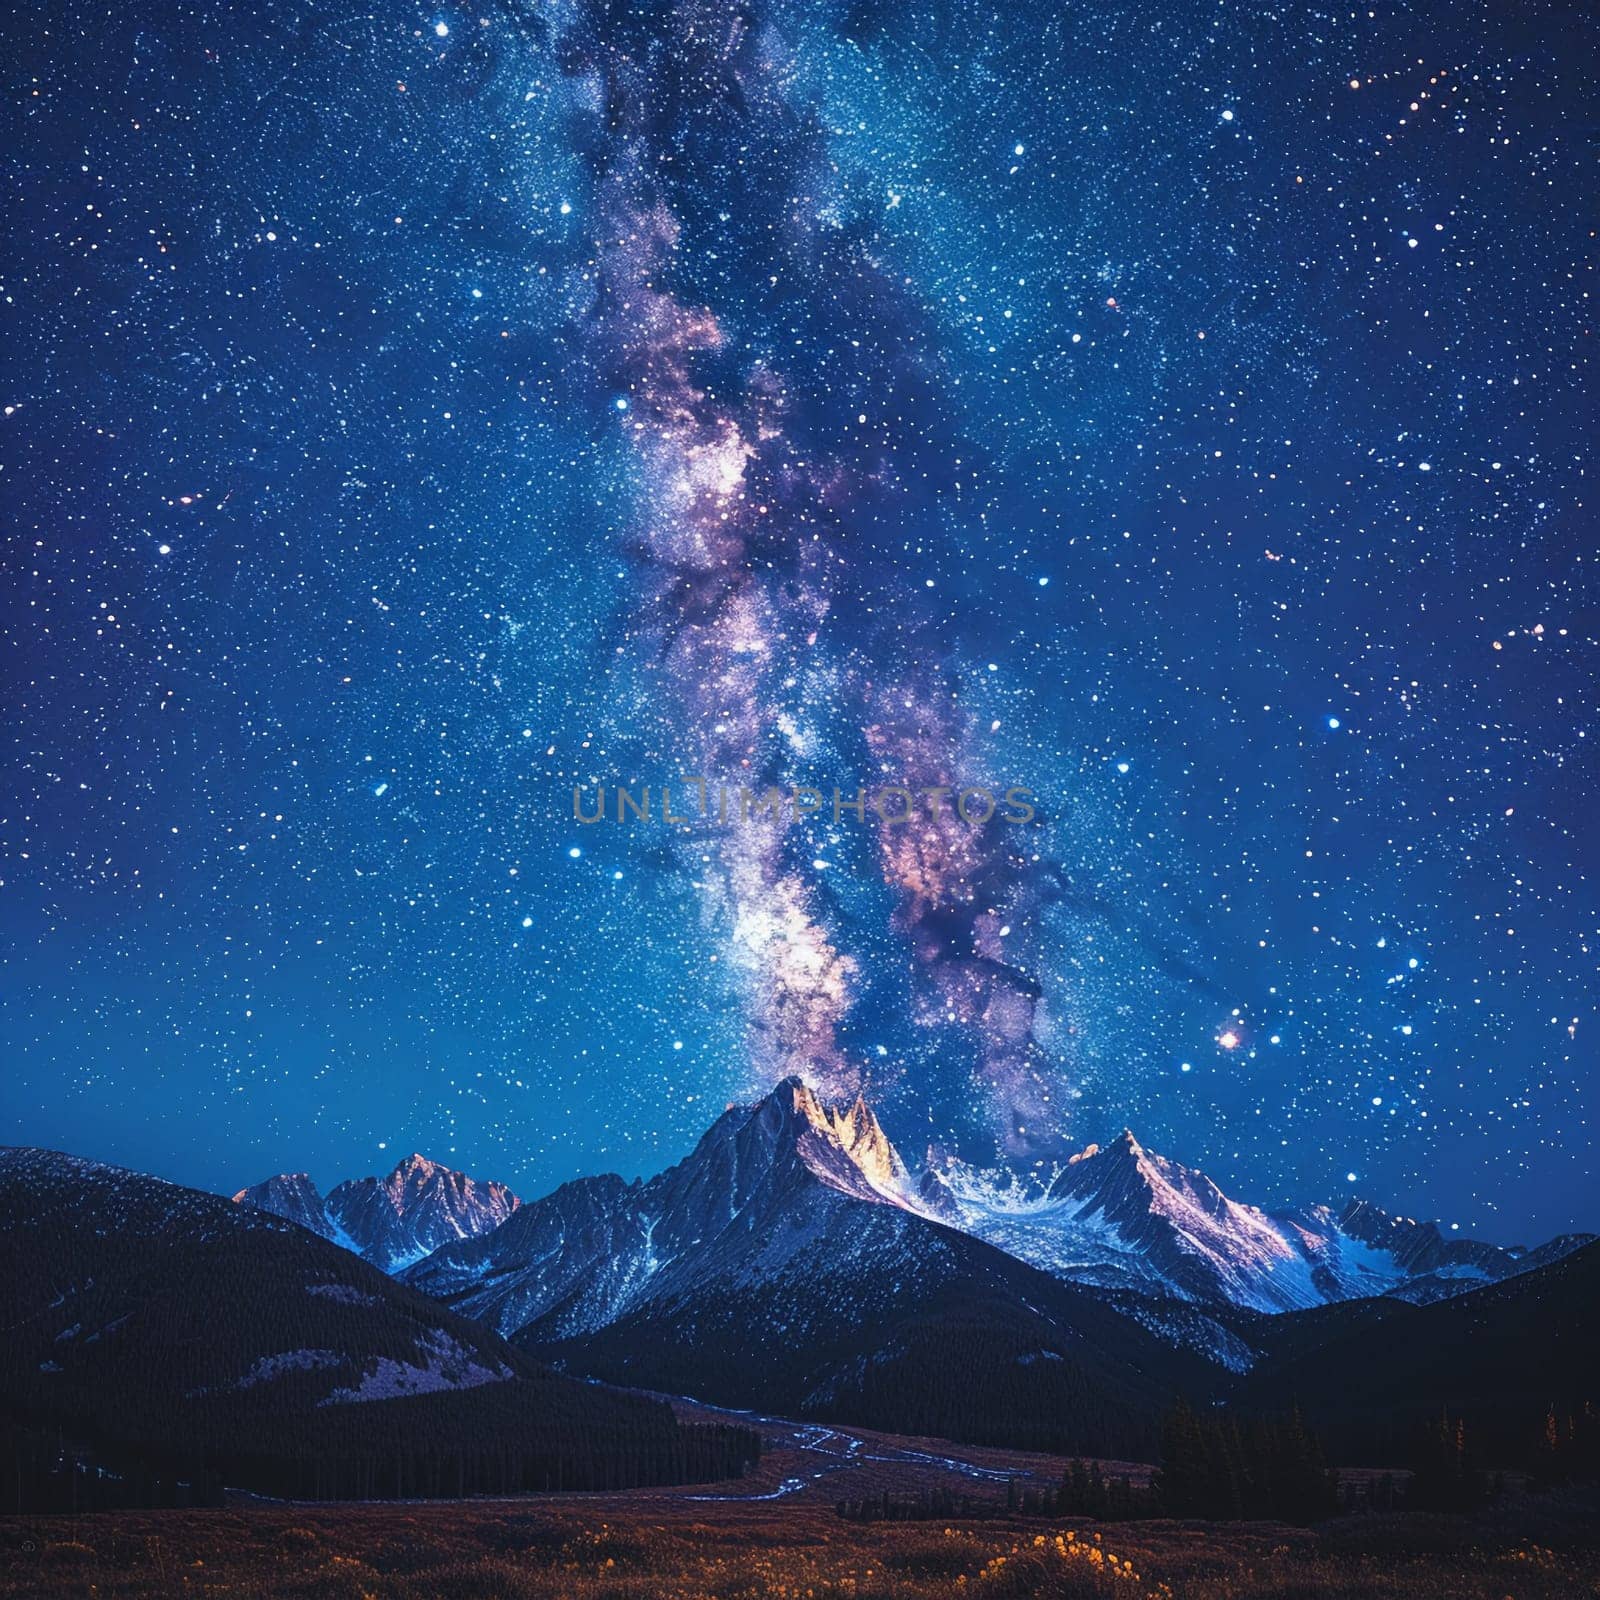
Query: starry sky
x,y
1182,411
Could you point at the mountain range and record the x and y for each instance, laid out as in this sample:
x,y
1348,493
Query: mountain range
x,y
1126,1218
1117,1217
793,1262
390,1221
781,1266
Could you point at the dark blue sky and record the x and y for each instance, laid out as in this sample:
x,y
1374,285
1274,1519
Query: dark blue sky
x,y
1184,411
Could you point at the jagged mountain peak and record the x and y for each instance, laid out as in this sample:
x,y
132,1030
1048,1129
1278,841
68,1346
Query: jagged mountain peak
x,y
1125,1147
765,1183
1364,1215
1125,1217
862,1135
842,1143
297,1183
295,1196
1127,1162
391,1221
413,1177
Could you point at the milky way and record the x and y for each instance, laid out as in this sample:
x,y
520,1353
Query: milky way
x,y
1183,413
759,522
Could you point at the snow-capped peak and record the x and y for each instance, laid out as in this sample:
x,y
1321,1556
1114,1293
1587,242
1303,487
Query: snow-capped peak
x,y
1122,1216
394,1220
1117,1215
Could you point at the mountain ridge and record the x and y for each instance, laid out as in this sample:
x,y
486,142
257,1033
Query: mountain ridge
x,y
1117,1216
1122,1217
793,1262
780,1266
390,1221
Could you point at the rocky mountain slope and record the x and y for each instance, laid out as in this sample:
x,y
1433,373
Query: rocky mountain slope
x,y
1123,1217
390,1221
784,1264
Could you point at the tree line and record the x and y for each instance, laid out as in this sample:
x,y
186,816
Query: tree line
x,y
1222,1468
1215,1467
428,1452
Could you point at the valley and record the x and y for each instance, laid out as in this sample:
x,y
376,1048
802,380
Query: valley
x,y
791,1364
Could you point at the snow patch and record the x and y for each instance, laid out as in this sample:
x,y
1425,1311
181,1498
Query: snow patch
x,y
442,1364
344,1293
266,1369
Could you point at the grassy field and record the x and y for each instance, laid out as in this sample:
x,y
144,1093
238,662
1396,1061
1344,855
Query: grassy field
x,y
625,1548
774,1535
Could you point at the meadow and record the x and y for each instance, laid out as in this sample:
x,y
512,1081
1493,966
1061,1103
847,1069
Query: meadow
x,y
644,1547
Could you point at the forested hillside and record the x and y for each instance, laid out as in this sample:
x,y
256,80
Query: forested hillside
x,y
167,1336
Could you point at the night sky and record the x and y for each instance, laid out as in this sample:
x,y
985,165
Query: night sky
x,y
1182,411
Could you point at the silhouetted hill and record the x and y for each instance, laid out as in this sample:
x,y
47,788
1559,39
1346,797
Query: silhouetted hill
x,y
160,1323
1368,1372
